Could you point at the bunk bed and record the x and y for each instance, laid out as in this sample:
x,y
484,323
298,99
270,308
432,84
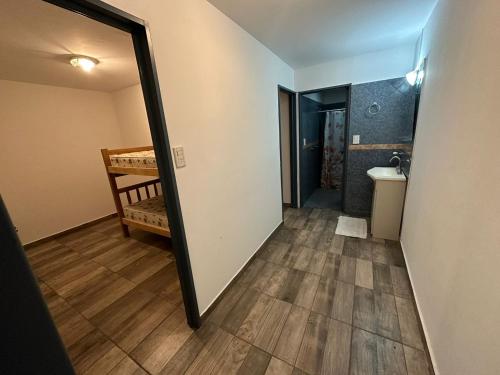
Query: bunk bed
x,y
145,209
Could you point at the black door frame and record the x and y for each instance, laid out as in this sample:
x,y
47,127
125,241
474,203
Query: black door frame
x,y
107,14
292,95
348,86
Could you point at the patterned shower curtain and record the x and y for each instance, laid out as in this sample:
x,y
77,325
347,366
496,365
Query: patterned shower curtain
x,y
333,150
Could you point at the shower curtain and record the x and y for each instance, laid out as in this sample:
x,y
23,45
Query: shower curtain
x,y
333,150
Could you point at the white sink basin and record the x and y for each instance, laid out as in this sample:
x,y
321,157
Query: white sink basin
x,y
387,174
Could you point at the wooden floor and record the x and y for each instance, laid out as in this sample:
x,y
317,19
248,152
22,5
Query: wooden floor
x,y
310,303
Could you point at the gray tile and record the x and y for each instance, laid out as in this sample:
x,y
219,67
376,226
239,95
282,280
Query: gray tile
x,y
271,328
416,361
387,317
376,312
239,312
363,353
347,270
364,309
372,354
382,281
278,367
290,339
276,281
390,357
337,246
400,282
323,300
290,288
307,291
255,362
310,357
331,267
408,323
253,322
364,273
343,302
337,349
304,258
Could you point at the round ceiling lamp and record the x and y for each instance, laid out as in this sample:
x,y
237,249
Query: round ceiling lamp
x,y
85,63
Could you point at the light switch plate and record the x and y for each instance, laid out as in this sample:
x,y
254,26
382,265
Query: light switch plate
x,y
179,159
355,139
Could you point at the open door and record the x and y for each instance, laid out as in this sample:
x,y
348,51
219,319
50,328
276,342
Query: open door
x,y
30,341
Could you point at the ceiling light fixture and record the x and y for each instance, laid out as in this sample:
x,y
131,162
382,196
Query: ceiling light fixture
x,y
85,63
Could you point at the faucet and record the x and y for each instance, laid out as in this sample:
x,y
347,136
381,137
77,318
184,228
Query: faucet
x,y
397,156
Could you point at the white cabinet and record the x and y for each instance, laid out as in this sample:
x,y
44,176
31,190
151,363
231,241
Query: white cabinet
x,y
388,201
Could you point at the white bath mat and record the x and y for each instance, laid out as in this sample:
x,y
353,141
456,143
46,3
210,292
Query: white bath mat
x,y
351,226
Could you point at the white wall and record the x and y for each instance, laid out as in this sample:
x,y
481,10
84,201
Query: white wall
x,y
131,116
53,176
375,66
219,89
451,227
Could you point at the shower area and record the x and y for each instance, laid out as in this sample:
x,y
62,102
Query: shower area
x,y
322,133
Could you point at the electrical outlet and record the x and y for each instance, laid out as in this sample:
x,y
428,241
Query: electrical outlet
x,y
355,139
179,159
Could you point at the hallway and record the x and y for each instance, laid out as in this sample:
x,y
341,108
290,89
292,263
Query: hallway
x,y
310,302
316,303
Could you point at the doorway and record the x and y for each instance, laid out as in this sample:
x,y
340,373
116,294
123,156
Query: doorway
x,y
88,234
323,129
143,49
288,149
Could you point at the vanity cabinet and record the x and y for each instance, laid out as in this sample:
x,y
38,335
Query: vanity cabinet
x,y
388,201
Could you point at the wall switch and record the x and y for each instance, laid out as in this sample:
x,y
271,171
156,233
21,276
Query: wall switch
x,y
355,139
179,159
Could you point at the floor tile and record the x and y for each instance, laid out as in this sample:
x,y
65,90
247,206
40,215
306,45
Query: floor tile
x,y
310,357
410,332
270,331
291,336
416,361
364,273
278,367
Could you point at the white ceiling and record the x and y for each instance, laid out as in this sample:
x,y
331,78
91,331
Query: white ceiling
x,y
310,32
36,39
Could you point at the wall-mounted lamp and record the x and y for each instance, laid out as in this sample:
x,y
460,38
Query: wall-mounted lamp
x,y
415,77
411,77
85,63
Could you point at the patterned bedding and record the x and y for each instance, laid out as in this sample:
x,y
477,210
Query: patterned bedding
x,y
149,211
139,159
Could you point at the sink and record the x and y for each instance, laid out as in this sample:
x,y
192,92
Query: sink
x,y
386,174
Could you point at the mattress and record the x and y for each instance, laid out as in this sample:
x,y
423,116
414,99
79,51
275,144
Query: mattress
x,y
139,159
149,211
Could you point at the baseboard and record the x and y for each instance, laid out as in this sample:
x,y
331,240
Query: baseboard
x,y
67,231
236,277
423,328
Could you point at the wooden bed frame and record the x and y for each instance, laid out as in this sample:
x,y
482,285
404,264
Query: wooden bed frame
x,y
149,188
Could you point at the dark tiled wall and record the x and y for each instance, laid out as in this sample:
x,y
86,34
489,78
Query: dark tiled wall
x,y
392,124
358,195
